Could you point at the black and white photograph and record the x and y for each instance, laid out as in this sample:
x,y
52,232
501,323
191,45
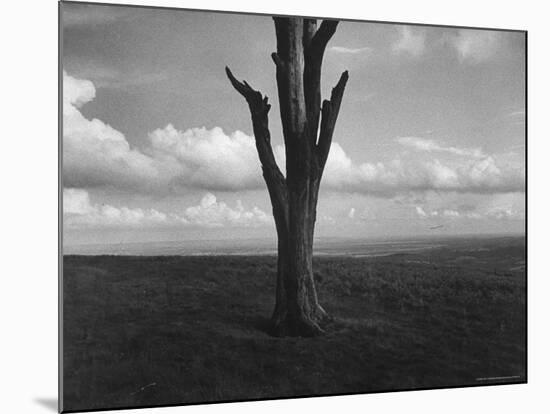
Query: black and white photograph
x,y
261,207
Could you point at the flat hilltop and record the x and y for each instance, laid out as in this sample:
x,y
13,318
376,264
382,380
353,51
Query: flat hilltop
x,y
150,330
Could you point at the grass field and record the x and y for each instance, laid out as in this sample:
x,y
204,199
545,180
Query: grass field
x,y
168,329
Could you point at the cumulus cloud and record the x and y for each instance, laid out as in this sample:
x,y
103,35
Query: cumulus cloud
x,y
79,211
420,211
504,213
76,201
76,92
212,213
501,212
475,46
95,154
208,159
412,42
483,175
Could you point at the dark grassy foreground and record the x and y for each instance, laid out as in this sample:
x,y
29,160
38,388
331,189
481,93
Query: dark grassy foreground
x,y
169,330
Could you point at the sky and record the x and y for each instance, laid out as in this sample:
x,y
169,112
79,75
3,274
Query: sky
x,y
157,145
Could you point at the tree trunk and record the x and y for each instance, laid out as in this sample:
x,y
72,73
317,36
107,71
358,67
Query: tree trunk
x,y
300,49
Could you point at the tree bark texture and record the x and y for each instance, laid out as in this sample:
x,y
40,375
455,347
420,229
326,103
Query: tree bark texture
x,y
307,127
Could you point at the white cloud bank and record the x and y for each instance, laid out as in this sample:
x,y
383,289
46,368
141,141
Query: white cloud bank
x,y
80,212
211,213
208,159
485,175
499,213
94,153
97,155
499,207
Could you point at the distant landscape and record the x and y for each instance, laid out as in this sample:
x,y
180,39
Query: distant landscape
x,y
172,323
323,246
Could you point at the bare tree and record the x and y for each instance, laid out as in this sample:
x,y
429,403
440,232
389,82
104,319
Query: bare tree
x,y
307,129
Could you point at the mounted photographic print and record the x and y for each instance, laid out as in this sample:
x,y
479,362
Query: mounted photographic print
x,y
260,207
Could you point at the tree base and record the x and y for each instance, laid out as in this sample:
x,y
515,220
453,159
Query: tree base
x,y
301,325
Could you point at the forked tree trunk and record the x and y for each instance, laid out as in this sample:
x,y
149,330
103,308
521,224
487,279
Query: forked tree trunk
x,y
307,132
